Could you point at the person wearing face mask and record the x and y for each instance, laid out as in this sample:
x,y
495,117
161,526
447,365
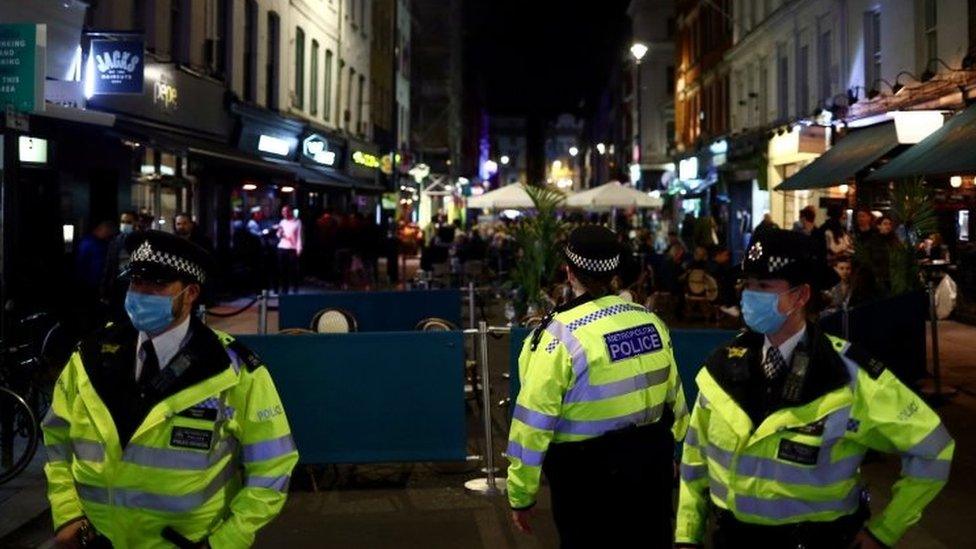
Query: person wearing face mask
x,y
112,288
785,415
600,407
162,431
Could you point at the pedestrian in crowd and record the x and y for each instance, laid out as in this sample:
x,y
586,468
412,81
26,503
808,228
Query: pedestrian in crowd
x,y
807,222
116,259
837,242
840,294
162,431
289,231
873,273
606,448
90,264
187,228
935,249
864,226
724,273
785,415
766,224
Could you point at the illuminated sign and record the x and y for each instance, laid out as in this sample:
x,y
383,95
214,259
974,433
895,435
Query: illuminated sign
x,y
114,66
366,159
32,150
273,145
688,168
316,148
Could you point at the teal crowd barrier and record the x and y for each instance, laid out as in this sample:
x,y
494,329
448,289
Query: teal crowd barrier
x,y
391,311
691,349
370,397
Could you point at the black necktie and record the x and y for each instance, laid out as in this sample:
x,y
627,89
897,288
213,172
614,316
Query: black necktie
x,y
773,366
150,363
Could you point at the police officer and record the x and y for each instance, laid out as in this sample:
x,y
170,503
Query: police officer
x,y
785,415
163,431
599,408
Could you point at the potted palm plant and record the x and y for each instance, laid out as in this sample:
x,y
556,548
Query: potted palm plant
x,y
537,252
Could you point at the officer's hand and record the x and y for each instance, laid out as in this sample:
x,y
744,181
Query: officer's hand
x,y
864,540
521,519
67,537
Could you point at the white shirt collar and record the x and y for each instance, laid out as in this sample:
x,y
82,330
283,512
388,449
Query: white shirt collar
x,y
787,347
166,344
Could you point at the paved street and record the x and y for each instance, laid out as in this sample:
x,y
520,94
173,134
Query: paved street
x,y
425,505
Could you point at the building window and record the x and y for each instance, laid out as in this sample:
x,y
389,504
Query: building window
x,y
313,83
669,80
931,34
177,24
327,87
216,50
274,57
872,48
753,13
826,83
340,112
250,49
362,16
347,115
299,98
803,81
763,92
782,84
139,15
359,105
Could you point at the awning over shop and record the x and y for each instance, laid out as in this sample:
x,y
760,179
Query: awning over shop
x,y
329,178
855,152
950,150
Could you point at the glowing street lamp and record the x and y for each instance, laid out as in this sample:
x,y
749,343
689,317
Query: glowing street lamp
x,y
573,151
638,50
505,160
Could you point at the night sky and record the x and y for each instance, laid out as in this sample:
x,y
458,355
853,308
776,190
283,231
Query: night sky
x,y
542,57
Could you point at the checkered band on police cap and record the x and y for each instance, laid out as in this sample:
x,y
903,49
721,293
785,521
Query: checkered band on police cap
x,y
146,253
594,265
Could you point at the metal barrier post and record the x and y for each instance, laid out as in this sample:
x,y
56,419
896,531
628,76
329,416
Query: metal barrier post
x,y
202,313
488,486
471,305
263,312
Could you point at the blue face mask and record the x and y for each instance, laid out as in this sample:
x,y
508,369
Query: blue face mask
x,y
126,228
150,313
760,310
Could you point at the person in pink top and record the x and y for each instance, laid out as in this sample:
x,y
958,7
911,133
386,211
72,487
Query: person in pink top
x,y
289,249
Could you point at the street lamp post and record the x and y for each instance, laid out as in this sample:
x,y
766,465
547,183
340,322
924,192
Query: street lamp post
x,y
638,50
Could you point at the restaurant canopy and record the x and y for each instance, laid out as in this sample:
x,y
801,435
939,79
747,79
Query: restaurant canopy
x,y
508,197
613,195
855,152
950,150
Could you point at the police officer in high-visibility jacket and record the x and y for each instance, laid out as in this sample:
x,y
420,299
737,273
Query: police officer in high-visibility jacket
x,y
599,409
785,415
163,431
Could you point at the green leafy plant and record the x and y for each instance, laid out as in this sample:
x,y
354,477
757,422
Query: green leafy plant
x,y
911,207
537,253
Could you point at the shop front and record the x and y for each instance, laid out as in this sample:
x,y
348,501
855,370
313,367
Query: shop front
x,y
788,152
744,177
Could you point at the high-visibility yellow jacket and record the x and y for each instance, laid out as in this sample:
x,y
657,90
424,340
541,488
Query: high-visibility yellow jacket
x,y
802,462
600,366
211,461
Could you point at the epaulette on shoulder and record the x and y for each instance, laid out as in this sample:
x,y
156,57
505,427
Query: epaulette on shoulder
x,y
248,358
731,360
860,356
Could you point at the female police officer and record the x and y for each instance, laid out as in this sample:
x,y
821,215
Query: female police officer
x,y
600,396
785,415
162,430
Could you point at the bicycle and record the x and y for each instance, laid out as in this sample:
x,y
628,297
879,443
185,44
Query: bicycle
x,y
25,395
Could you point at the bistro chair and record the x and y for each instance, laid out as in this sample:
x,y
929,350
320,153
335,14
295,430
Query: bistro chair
x,y
435,324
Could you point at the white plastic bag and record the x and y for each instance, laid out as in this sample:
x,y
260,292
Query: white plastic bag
x,y
945,297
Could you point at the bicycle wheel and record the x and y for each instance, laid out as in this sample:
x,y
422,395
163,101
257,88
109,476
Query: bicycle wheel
x,y
19,435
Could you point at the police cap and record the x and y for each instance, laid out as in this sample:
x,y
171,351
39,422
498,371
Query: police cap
x,y
165,257
790,256
593,249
